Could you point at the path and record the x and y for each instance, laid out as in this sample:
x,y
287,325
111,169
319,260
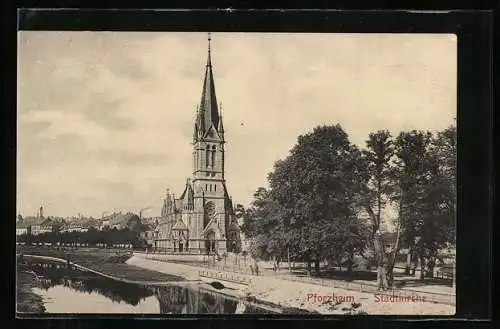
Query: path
x,y
309,296
437,292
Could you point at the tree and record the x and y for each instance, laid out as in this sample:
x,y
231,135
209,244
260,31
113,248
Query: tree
x,y
379,188
239,211
439,199
256,217
418,195
314,190
444,150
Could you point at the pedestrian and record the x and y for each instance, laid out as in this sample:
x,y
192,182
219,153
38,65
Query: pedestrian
x,y
256,267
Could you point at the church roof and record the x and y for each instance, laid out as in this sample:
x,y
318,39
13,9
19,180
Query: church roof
x,y
177,204
188,194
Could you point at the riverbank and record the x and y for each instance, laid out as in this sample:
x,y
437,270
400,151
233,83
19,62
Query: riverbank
x,y
186,273
296,297
312,298
133,271
112,265
27,301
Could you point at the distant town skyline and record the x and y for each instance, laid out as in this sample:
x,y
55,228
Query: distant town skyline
x,y
105,119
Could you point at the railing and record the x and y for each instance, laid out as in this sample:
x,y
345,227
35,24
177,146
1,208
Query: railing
x,y
168,252
444,298
224,276
443,275
210,267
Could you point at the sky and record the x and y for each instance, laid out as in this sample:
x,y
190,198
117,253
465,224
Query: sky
x,y
105,119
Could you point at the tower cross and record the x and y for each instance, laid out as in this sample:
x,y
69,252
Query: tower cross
x,y
209,39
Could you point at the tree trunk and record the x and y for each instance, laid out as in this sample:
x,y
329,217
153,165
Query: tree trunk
x,y
380,257
431,264
316,266
408,262
392,260
288,257
350,263
308,267
422,267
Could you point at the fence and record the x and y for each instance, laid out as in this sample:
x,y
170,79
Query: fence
x,y
225,276
442,298
443,275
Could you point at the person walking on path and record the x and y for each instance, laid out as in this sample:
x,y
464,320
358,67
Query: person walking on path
x,y
256,266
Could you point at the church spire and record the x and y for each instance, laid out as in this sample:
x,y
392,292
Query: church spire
x,y
208,114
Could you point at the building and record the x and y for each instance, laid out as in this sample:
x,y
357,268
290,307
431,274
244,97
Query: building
x,y
74,226
91,223
47,226
121,221
28,224
148,234
33,225
202,218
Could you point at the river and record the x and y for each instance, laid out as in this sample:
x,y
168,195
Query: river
x,y
66,291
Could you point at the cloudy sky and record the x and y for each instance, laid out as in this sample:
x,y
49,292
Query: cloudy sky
x,y
105,119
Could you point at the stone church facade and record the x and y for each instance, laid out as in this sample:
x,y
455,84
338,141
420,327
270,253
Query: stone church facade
x,y
201,219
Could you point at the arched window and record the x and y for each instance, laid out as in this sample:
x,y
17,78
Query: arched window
x,y
208,156
209,213
206,187
215,187
210,187
213,155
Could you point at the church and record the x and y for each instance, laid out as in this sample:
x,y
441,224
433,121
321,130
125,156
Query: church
x,y
201,220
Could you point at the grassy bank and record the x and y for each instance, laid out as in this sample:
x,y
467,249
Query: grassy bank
x,y
26,300
110,263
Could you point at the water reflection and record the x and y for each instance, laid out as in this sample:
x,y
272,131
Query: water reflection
x,y
66,287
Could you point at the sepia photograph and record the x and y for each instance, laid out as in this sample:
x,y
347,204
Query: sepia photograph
x,y
236,173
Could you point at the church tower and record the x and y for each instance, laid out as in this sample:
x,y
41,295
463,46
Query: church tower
x,y
201,219
209,185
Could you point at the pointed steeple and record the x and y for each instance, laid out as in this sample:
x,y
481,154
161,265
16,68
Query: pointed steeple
x,y
208,113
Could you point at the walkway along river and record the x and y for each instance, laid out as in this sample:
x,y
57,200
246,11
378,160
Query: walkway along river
x,y
73,290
